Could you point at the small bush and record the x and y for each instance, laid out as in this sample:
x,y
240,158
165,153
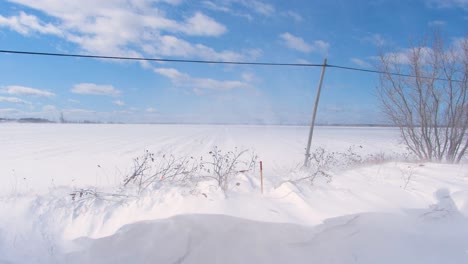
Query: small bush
x,y
322,163
222,166
151,169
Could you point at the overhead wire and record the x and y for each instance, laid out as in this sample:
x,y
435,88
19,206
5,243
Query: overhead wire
x,y
281,64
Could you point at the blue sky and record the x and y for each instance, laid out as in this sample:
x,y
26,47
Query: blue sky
x,y
349,33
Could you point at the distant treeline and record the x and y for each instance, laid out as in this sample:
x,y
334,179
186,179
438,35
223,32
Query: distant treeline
x,y
26,120
44,120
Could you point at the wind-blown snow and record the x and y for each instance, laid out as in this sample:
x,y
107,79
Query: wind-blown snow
x,y
366,214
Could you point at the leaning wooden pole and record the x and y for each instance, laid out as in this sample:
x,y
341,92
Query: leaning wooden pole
x,y
314,113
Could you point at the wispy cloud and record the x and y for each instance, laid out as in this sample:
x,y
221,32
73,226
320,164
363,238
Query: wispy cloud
x,y
199,84
259,7
26,91
78,111
151,110
95,89
249,77
294,15
202,25
243,8
404,56
437,23
448,3
119,103
173,46
303,61
224,7
299,44
217,6
14,100
361,63
49,108
375,39
27,24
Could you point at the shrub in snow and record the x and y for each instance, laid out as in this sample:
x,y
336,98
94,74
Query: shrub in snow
x,y
152,169
222,166
323,163
91,195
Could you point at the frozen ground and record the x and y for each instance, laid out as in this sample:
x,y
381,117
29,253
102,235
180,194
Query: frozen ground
x,y
366,214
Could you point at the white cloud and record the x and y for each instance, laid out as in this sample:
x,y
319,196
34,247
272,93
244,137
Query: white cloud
x,y
460,46
49,108
448,3
14,100
199,84
26,24
299,44
404,55
257,6
437,23
217,6
128,28
225,7
295,16
242,8
173,46
91,88
296,43
375,39
118,103
172,2
151,110
26,91
202,25
78,111
321,46
303,61
112,27
361,63
248,77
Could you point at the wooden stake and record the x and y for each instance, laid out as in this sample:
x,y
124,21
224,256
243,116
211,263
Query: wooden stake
x,y
261,176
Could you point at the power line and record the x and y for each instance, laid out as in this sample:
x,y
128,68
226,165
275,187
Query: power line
x,y
160,59
217,62
391,73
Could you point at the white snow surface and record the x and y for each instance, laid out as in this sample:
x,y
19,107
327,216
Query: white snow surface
x,y
366,214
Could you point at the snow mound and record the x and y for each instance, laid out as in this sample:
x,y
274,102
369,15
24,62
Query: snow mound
x,y
361,238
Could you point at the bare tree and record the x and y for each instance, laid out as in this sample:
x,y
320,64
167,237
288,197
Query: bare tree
x,y
430,109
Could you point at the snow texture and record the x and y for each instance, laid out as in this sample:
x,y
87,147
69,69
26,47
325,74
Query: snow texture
x,y
382,212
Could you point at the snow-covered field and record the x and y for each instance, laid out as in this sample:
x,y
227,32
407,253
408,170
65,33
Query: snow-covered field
x,y
377,212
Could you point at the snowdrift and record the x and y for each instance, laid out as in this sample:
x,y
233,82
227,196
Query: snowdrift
x,y
382,212
413,237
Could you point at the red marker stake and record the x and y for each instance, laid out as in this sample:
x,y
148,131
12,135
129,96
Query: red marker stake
x,y
261,176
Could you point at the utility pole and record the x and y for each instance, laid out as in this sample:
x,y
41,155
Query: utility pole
x,y
314,113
